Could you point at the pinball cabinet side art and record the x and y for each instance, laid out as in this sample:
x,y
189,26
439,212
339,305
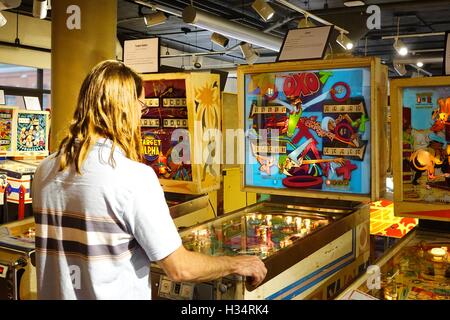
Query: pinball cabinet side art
x,y
421,147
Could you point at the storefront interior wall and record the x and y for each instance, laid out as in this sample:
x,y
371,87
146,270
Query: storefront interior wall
x,y
31,32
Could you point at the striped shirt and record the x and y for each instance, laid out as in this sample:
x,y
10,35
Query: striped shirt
x,y
97,232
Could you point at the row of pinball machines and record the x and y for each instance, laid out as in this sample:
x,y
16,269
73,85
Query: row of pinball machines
x,y
23,145
310,137
418,267
178,102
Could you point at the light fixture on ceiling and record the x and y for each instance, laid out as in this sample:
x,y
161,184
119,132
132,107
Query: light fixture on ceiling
x,y
219,39
231,29
263,9
344,42
400,68
154,19
354,3
419,64
197,61
400,47
9,4
2,20
305,23
40,8
250,55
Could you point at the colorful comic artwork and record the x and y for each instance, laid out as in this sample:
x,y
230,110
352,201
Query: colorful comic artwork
x,y
31,132
426,148
165,112
309,130
6,118
417,272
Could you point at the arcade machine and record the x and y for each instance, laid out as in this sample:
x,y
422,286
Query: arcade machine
x,y
17,260
24,143
179,121
311,142
417,268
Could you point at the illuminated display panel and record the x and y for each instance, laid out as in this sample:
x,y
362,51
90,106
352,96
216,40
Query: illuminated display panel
x,y
309,130
166,112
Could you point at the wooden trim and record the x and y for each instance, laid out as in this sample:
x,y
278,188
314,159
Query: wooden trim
x,y
376,113
308,65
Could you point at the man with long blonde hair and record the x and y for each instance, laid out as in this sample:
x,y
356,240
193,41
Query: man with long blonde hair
x,y
101,216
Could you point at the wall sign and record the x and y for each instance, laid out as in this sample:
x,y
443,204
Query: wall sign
x,y
142,55
305,44
32,103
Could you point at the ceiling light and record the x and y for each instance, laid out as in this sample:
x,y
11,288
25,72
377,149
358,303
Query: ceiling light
x,y
154,19
249,53
9,4
354,3
263,9
305,23
400,47
2,20
219,39
400,68
419,64
197,61
230,29
344,42
40,9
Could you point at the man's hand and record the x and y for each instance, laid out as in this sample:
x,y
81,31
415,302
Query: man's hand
x,y
184,265
250,266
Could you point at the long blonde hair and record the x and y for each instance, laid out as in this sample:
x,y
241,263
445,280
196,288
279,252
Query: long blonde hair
x,y
107,107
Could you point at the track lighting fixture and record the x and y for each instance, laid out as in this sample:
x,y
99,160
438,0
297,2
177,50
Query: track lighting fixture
x,y
344,42
219,39
263,9
400,68
400,47
250,55
305,23
2,20
154,19
40,8
197,61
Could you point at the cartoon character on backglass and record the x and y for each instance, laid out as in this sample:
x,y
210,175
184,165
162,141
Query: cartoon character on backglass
x,y
31,133
426,144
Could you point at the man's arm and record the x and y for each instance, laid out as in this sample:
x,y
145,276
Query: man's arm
x,y
184,265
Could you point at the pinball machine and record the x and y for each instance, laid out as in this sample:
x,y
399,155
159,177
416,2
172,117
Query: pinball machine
x,y
417,268
17,260
23,145
311,132
181,114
